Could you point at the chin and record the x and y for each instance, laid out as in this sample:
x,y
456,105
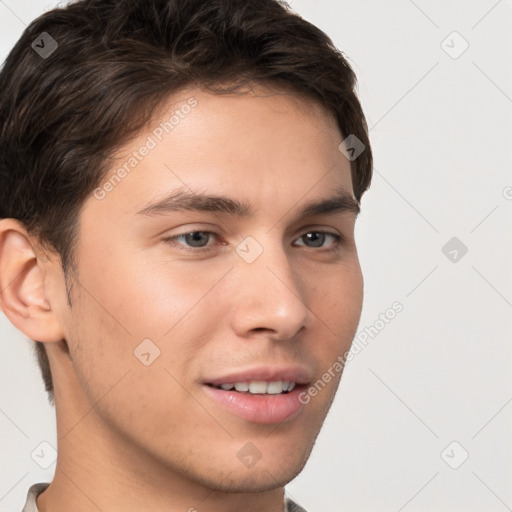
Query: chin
x,y
267,474
244,480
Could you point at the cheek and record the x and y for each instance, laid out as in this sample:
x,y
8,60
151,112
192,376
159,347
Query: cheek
x,y
146,297
135,308
113,376
340,311
339,303
346,309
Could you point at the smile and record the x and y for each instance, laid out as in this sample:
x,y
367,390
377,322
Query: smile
x,y
260,387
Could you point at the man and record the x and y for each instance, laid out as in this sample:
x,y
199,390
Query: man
x,y
180,185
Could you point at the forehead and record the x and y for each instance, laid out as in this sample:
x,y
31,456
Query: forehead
x,y
264,143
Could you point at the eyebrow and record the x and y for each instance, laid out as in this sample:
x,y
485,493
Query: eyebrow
x,y
184,200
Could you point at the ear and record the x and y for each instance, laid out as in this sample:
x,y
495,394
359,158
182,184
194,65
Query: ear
x,y
22,289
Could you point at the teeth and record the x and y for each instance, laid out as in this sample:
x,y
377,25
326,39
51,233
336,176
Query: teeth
x,y
242,386
273,388
260,387
257,386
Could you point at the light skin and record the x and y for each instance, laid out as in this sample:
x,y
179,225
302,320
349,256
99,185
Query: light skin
x,y
133,437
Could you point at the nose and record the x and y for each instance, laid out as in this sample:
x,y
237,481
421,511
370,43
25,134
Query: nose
x,y
270,296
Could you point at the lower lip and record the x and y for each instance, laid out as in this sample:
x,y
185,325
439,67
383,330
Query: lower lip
x,y
259,408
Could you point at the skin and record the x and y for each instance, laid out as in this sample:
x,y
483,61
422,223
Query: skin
x,y
133,437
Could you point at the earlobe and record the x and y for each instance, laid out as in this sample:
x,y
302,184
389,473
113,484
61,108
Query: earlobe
x,y
22,291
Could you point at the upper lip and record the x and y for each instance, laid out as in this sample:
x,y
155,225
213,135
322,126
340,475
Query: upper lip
x,y
296,374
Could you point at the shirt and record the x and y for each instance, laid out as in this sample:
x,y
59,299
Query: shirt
x,y
36,489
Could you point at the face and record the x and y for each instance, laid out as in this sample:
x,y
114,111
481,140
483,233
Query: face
x,y
190,318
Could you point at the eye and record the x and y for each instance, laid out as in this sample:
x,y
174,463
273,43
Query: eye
x,y
317,238
197,241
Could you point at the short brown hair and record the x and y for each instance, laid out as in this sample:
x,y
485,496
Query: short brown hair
x,y
64,114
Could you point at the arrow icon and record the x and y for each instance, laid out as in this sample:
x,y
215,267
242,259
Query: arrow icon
x,y
44,455
249,249
454,45
351,147
146,352
454,455
454,249
41,45
249,455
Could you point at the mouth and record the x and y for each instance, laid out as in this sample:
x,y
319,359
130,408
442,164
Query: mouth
x,y
259,387
260,396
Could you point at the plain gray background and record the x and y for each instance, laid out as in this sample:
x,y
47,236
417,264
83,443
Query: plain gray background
x,y
433,386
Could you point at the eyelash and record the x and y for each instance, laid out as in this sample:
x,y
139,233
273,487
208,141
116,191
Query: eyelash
x,y
173,240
